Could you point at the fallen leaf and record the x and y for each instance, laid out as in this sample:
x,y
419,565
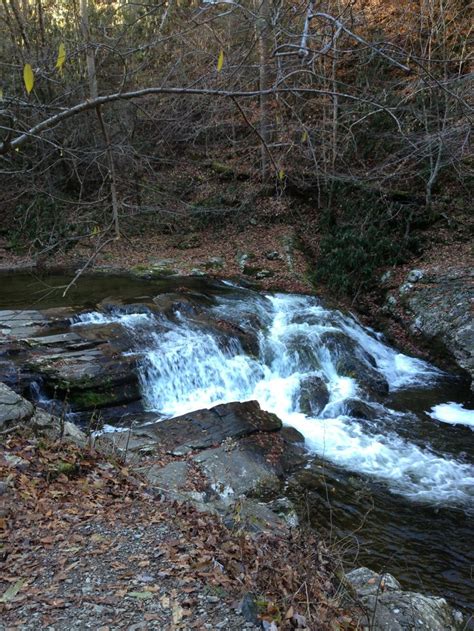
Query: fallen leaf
x,y
178,613
13,590
97,538
141,595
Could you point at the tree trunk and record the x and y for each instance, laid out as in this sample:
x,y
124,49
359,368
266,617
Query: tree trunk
x,y
93,92
264,50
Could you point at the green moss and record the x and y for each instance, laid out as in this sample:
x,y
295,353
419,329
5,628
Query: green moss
x,y
66,468
92,399
69,469
153,271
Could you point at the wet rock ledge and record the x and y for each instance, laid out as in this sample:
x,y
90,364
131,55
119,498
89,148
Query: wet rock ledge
x,y
389,608
438,307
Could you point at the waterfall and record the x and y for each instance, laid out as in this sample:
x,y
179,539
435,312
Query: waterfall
x,y
188,365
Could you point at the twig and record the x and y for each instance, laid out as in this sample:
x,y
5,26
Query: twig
x,y
86,265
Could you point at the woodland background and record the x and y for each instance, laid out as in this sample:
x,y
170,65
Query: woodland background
x,y
349,120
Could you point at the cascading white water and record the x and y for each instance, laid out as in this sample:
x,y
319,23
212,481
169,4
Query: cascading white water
x,y
453,414
188,366
128,320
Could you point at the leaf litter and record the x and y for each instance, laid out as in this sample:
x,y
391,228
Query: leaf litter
x,y
98,548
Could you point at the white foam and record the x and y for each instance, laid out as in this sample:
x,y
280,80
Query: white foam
x,y
129,320
399,370
109,429
453,413
414,472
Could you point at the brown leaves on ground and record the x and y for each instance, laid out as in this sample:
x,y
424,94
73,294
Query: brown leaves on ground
x,y
82,536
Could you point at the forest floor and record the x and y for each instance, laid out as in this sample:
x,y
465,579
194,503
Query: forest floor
x,y
216,251
87,544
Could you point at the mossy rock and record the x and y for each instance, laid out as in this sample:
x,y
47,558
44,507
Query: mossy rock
x,y
154,271
115,395
216,262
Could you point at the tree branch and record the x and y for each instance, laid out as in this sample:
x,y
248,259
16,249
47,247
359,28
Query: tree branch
x,y
90,104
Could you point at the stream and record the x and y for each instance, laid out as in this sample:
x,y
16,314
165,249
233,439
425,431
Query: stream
x,y
390,471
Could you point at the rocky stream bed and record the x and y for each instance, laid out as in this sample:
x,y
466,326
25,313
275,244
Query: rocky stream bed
x,y
265,410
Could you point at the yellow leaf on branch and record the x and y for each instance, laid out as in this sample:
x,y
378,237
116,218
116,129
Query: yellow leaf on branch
x,y
220,61
28,77
61,57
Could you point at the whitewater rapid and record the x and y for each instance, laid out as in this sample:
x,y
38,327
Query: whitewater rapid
x,y
188,366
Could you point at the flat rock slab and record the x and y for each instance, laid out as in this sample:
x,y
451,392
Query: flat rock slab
x,y
13,407
171,477
197,430
85,369
19,324
90,378
209,427
63,340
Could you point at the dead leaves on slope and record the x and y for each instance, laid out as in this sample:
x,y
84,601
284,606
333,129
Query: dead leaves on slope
x,y
71,513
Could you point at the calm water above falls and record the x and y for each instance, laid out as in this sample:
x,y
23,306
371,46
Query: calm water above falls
x,y
404,455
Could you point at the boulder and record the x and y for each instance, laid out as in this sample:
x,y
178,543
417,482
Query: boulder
x,y
236,472
254,517
439,307
208,427
360,409
43,423
351,360
14,409
415,275
367,583
388,608
313,395
215,262
169,304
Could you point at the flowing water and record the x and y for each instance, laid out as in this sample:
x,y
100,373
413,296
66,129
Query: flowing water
x,y
389,437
